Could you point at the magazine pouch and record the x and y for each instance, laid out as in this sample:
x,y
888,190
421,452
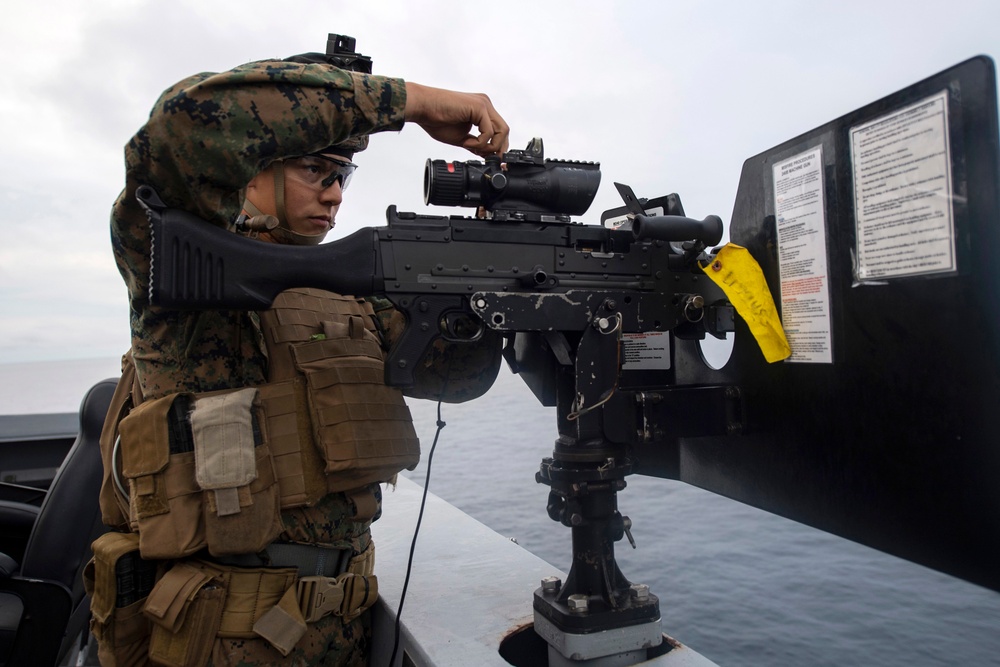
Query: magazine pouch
x,y
185,608
233,467
118,581
362,427
165,464
297,463
157,463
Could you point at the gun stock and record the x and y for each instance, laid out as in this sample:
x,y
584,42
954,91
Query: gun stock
x,y
198,266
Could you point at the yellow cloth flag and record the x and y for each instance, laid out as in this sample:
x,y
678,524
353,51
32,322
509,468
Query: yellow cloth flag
x,y
736,271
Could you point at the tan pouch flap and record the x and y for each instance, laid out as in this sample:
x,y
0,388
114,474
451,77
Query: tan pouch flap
x,y
145,438
282,624
172,594
222,427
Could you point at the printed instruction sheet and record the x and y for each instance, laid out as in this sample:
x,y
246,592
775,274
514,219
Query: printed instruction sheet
x,y
800,213
902,192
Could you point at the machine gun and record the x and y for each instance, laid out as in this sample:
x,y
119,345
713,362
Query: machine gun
x,y
590,312
430,267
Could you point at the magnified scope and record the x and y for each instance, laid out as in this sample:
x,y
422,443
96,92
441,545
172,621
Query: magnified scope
x,y
521,184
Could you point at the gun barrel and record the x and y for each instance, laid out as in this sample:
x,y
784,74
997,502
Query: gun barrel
x,y
678,228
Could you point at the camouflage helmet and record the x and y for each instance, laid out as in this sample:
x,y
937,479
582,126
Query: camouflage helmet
x,y
340,53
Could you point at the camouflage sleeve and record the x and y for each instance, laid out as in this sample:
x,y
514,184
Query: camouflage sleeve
x,y
206,137
209,135
451,372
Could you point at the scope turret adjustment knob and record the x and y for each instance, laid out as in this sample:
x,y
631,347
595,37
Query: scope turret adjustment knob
x,y
498,181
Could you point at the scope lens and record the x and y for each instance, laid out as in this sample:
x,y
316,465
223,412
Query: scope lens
x,y
445,183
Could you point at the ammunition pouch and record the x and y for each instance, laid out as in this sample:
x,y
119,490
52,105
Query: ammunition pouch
x,y
363,427
118,582
185,608
360,428
200,475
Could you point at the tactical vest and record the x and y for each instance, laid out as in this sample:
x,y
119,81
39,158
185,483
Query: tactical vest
x,y
326,373
213,471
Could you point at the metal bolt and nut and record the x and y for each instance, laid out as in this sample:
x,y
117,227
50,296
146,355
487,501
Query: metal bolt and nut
x,y
578,603
639,592
551,584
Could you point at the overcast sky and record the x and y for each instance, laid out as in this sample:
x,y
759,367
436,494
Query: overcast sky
x,y
667,96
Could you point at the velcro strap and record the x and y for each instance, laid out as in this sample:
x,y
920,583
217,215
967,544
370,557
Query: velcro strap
x,y
360,592
365,503
282,624
334,329
356,325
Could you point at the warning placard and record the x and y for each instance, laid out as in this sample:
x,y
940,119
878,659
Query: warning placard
x,y
800,215
903,193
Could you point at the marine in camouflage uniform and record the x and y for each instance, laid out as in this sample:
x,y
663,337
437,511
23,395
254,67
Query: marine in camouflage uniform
x,y
206,138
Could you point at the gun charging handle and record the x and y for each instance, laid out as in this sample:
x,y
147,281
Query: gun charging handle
x,y
673,228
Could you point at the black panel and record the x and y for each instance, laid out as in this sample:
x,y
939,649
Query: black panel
x,y
893,444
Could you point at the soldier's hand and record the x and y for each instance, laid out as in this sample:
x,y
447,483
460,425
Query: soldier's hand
x,y
449,117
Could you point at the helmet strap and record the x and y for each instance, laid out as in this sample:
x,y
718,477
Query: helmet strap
x,y
283,233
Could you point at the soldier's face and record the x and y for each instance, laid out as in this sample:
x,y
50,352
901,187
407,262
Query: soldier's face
x,y
310,208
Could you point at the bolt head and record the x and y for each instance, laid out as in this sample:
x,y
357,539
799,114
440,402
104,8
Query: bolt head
x,y
578,603
551,584
639,592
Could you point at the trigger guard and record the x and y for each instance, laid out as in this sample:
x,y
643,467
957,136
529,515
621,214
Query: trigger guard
x,y
454,323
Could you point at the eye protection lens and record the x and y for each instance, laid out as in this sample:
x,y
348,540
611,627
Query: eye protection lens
x,y
319,171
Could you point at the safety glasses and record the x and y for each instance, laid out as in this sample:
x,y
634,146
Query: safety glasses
x,y
319,171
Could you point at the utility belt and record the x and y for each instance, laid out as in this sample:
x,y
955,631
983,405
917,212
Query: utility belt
x,y
144,611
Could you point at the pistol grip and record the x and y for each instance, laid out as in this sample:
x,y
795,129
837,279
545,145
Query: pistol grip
x,y
424,313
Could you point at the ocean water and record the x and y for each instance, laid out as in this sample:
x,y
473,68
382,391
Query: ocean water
x,y
740,586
